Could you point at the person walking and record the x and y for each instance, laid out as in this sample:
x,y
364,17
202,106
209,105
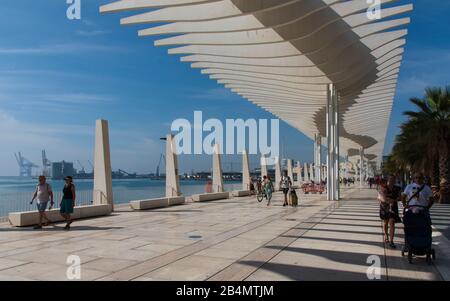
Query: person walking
x,y
252,187
389,196
268,188
43,194
209,187
285,185
418,194
68,201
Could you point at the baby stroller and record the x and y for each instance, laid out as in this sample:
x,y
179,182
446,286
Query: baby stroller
x,y
418,240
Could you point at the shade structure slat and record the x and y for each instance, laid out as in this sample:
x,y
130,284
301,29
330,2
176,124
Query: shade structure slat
x,y
282,55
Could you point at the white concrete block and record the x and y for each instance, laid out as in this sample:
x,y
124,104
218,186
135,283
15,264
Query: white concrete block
x,y
172,178
102,193
246,179
210,196
241,193
176,201
217,170
149,204
29,218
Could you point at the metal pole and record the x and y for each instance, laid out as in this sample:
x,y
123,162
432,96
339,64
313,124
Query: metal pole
x,y
330,140
361,166
329,197
336,146
319,158
315,153
333,143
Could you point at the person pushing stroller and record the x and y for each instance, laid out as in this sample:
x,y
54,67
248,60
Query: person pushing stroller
x,y
417,200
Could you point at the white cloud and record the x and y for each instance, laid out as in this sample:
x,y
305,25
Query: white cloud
x,y
76,98
31,138
423,68
131,149
88,22
214,94
412,86
70,48
92,33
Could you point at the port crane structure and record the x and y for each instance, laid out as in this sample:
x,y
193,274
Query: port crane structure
x,y
161,158
25,165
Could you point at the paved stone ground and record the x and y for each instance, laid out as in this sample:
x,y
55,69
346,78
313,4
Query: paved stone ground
x,y
235,239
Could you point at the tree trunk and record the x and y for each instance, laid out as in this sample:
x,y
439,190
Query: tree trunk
x,y
444,187
435,172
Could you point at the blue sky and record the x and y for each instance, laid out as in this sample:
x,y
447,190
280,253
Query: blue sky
x,y
57,76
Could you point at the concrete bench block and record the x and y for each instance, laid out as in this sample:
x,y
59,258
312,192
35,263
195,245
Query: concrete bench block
x,y
210,196
94,210
178,200
29,218
149,204
241,193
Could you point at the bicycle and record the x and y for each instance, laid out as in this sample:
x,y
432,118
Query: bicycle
x,y
262,194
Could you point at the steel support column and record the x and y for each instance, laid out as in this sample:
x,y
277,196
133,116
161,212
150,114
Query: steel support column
x,y
315,157
332,113
336,146
330,143
361,166
318,157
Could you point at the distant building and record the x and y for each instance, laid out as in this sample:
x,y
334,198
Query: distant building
x,y
60,170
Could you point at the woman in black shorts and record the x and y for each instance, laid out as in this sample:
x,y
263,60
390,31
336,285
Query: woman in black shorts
x,y
389,196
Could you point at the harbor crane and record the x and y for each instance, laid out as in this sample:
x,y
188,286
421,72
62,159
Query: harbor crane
x,y
130,175
83,171
25,165
161,157
92,166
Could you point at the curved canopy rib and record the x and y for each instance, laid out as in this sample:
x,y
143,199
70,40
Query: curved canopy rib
x,y
282,54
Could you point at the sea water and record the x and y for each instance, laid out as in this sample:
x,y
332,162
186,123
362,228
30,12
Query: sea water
x,y
16,192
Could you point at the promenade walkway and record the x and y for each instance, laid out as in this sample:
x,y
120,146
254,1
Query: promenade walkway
x,y
235,239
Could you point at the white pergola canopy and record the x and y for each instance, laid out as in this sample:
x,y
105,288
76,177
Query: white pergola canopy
x,y
283,54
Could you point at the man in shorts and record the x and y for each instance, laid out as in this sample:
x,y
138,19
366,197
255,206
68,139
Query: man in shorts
x,y
43,194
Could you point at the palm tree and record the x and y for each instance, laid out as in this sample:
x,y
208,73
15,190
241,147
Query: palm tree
x,y
412,154
424,142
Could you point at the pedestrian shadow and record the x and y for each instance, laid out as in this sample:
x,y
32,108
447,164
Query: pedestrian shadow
x,y
304,273
342,231
344,257
359,219
57,228
300,272
182,210
162,210
86,228
351,225
342,240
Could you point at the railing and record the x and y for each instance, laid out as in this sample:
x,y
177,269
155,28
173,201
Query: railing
x,y
174,191
20,201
